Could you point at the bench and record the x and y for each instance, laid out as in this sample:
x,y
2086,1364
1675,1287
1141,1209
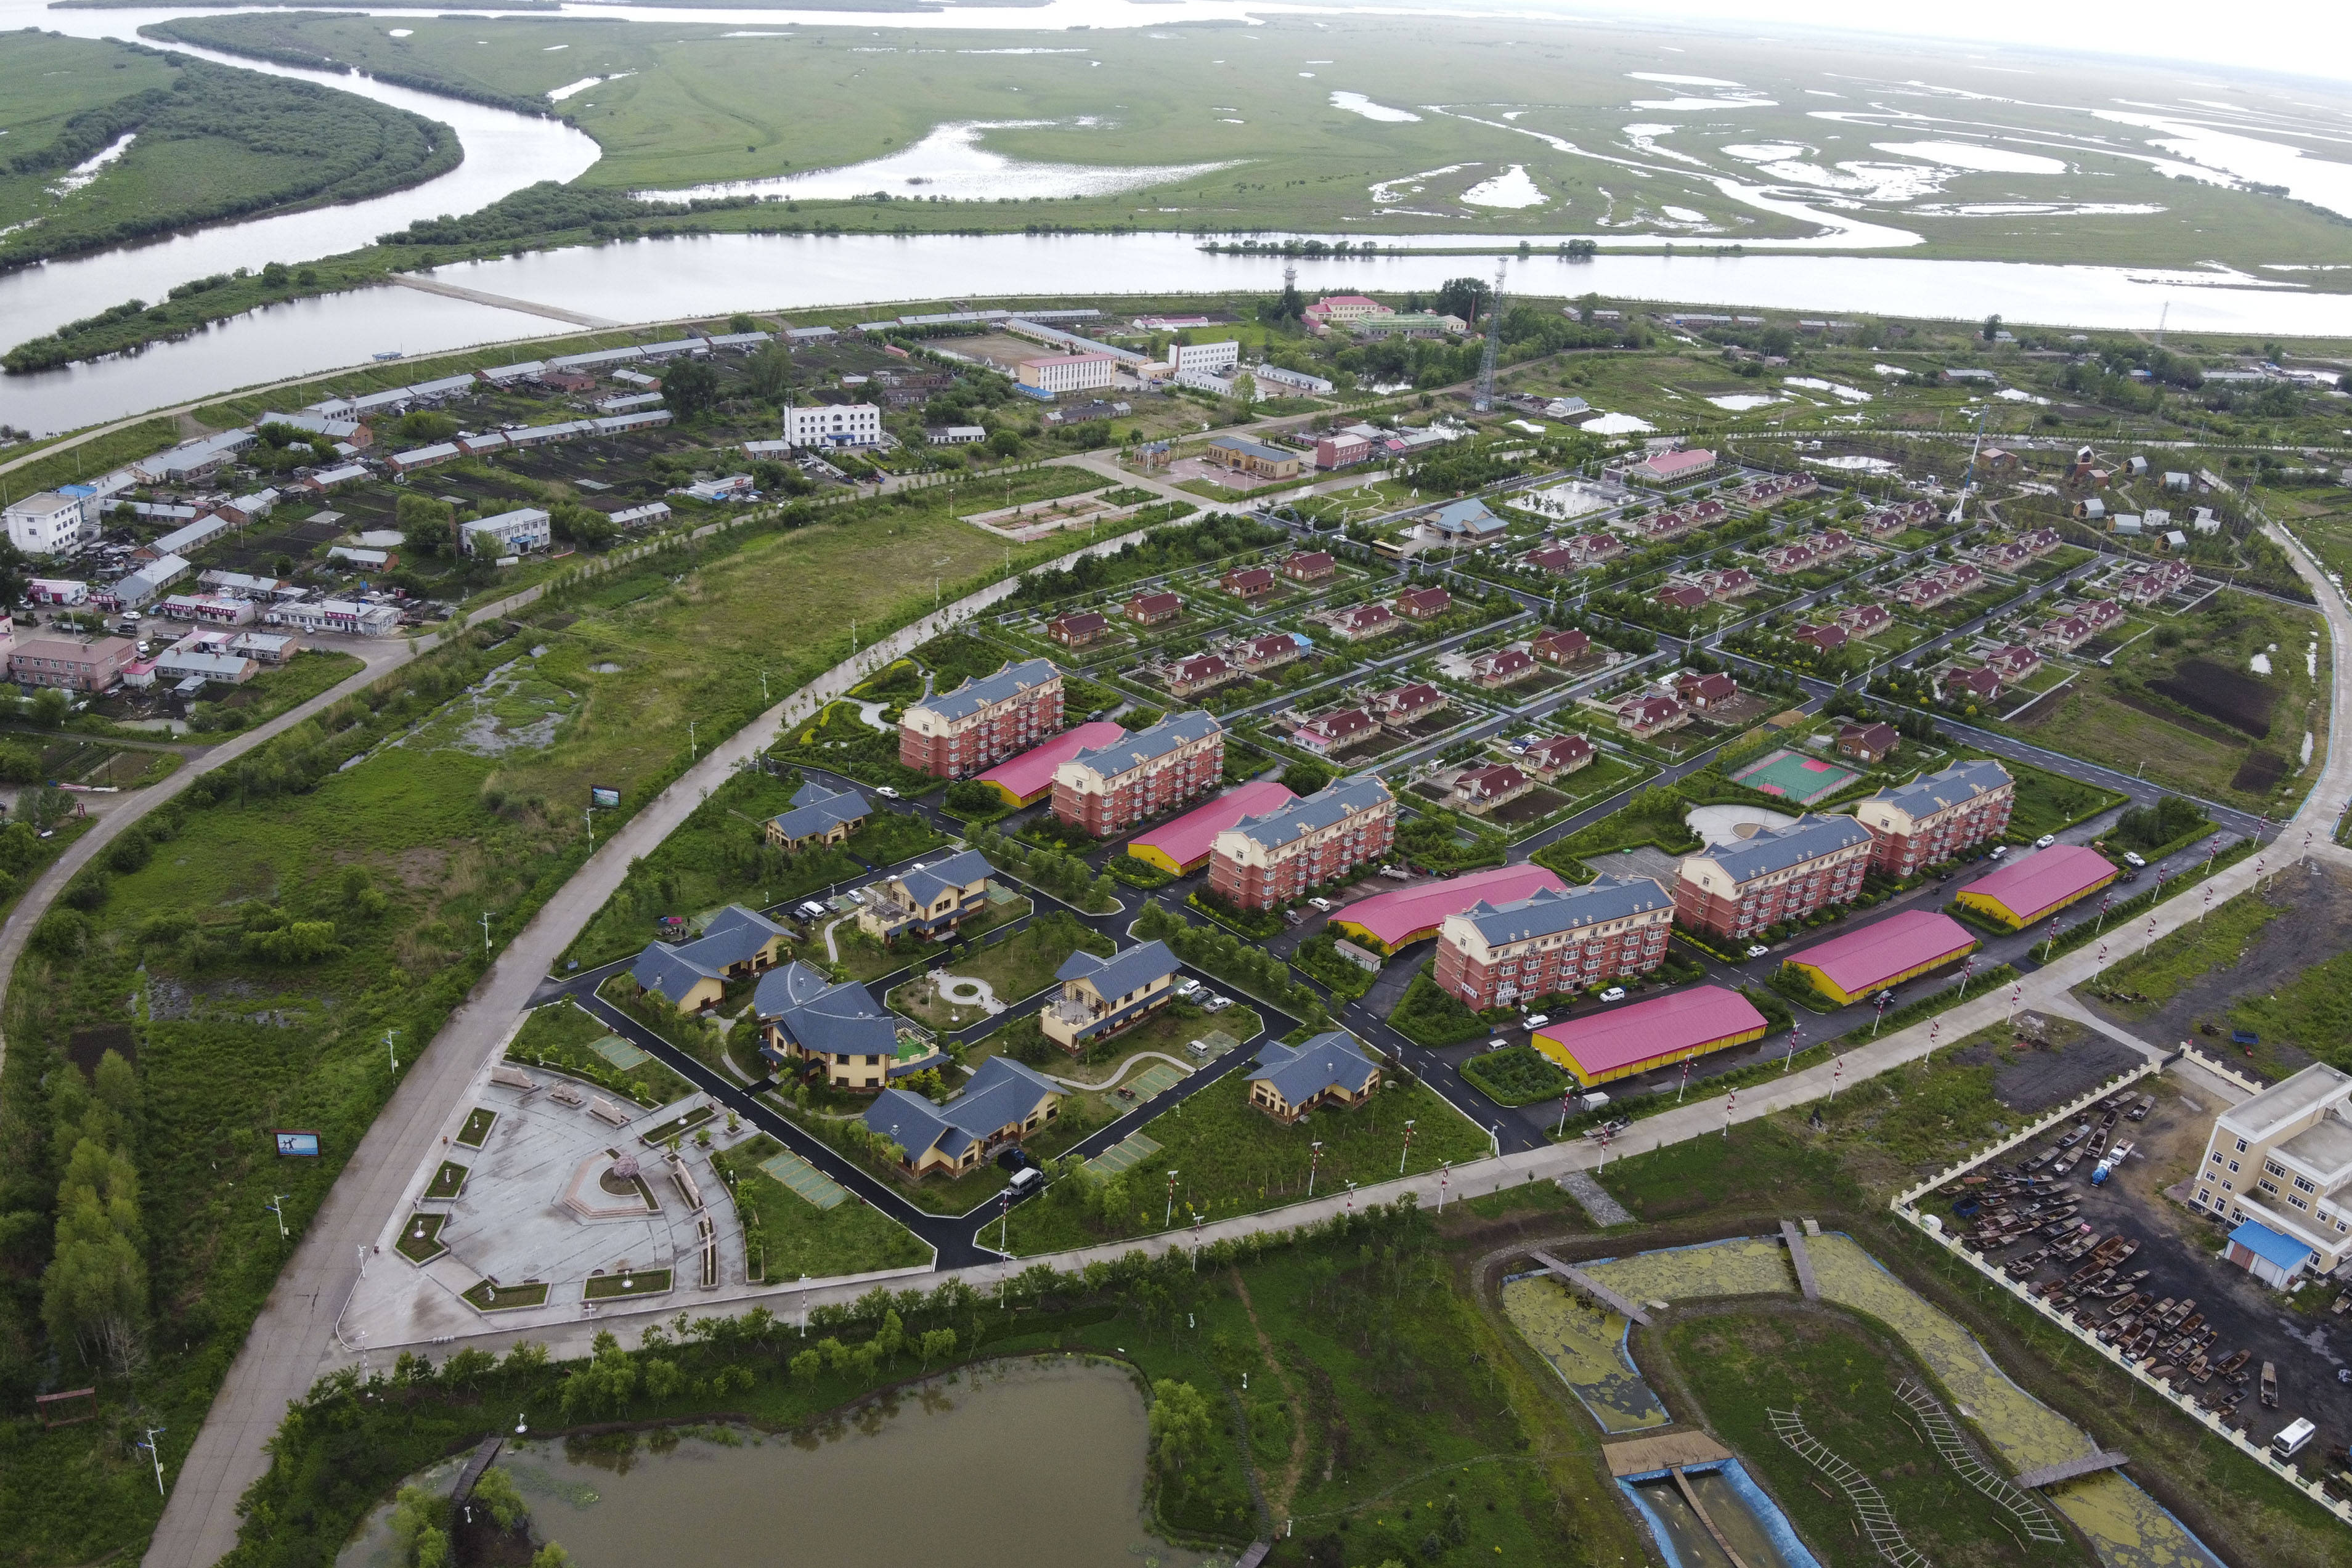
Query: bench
x,y
508,1076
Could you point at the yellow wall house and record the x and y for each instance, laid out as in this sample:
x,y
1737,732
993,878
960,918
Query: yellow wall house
x,y
1003,1104
819,816
1101,997
807,1017
1329,1070
927,901
692,975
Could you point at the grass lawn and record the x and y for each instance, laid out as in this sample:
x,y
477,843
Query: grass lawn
x,y
449,1181
1759,1164
2047,803
788,1237
420,1238
560,1036
1017,967
492,1298
292,684
1838,1374
1516,1075
1428,1016
1234,1159
2138,987
476,1130
1170,1033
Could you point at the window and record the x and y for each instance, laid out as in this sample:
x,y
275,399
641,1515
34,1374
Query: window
x,y
2272,1167
2234,1168
2267,1185
2205,1194
2217,1156
2241,1145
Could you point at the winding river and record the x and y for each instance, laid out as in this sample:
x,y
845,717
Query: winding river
x,y
656,280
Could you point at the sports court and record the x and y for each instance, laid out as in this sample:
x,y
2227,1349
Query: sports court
x,y
618,1051
1124,1156
1794,776
805,1180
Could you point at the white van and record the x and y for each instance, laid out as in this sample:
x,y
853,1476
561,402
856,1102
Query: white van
x,y
1596,1100
1026,1180
2291,1442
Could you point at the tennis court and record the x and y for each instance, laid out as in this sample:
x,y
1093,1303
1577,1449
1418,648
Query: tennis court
x,y
805,1180
1795,776
1124,1156
618,1051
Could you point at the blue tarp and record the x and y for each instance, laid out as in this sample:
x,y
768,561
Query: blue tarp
x,y
2280,1252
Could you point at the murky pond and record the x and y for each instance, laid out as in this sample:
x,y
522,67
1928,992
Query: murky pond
x,y
1022,1465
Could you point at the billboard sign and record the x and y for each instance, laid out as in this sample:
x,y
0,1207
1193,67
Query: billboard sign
x,y
600,796
301,1145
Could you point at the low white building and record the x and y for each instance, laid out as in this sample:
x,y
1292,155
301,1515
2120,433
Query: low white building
x,y
835,424
1268,376
45,524
524,529
1215,359
955,435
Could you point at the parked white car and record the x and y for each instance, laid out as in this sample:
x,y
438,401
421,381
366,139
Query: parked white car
x,y
2045,840
1613,994
1322,904
1215,1004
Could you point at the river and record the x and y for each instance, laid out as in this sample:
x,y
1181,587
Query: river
x,y
1021,1465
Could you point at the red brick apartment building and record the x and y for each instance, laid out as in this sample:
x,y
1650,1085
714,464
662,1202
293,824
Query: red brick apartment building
x,y
1937,815
1558,939
1110,788
1261,862
1738,889
983,721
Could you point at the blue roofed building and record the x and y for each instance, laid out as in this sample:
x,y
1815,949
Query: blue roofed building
x,y
1937,815
835,1029
693,975
820,815
1781,874
1330,1070
1003,1104
927,901
1101,997
1463,522
1267,859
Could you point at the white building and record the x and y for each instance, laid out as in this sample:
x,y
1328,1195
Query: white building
x,y
1059,373
45,524
2277,1168
835,424
524,529
1288,381
1215,359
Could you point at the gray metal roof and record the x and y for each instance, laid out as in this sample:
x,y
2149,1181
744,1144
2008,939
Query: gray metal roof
x,y
1961,782
984,690
1176,730
1001,1095
817,1015
670,971
1777,849
1550,911
1299,1073
1320,810
817,810
1470,517
1121,973
734,934
959,870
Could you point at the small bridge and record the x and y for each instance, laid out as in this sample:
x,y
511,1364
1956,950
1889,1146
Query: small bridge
x,y
2089,1464
483,1456
1592,1287
1802,1259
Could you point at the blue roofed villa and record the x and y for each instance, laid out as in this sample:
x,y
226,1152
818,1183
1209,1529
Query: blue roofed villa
x,y
1100,997
819,816
692,975
1330,1070
1003,1104
927,901
834,1031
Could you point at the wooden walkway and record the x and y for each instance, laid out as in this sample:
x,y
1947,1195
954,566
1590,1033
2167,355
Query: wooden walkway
x,y
483,1455
1943,1435
1801,1259
2089,1464
1869,1503
1592,1287
1666,1451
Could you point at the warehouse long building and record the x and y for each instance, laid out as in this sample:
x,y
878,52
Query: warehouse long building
x,y
1900,948
1027,779
1666,1029
2041,884
1183,846
1411,913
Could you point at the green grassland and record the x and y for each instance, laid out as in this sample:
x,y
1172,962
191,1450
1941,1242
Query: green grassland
x,y
693,106
211,142
789,1237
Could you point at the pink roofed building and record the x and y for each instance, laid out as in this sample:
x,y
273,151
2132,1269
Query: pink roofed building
x,y
1028,777
1412,913
1183,846
1659,1032
1672,468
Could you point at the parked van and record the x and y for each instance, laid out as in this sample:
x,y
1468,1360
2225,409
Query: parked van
x,y
1026,1180
2289,1442
1595,1100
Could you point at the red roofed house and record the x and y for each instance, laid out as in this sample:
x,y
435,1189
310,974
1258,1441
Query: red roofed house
x,y
1850,968
1828,639
1864,620
1705,691
1265,652
2041,541
1556,560
1591,549
2065,634
1309,566
1558,755
2015,661
1424,603
1708,511
1622,1042
1504,666
1482,790
1151,609
2101,613
1360,622
1871,743
1833,544
1247,582
1341,311
1562,647
1733,582
1782,559
1409,704
1335,731
1980,683
1672,468
1685,596
1666,525
1198,673
1077,629
1651,714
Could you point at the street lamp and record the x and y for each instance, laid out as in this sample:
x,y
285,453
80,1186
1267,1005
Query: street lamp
x,y
1408,1146
272,1205
1168,1218
1314,1159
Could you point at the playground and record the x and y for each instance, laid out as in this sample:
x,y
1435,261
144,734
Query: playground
x,y
1795,776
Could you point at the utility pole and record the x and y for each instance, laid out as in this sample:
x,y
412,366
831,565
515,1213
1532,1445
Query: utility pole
x,y
486,931
156,1454
276,1200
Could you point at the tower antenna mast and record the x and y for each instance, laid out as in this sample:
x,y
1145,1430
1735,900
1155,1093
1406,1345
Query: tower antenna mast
x,y
1484,401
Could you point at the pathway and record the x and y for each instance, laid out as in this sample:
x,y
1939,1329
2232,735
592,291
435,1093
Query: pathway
x,y
424,285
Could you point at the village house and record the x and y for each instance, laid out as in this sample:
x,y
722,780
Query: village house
x,y
2015,661
1254,458
1078,629
1408,705
1774,489
1270,652
1103,996
1828,639
1329,1070
1424,603
1649,714
1310,566
1666,525
1247,582
1732,582
1201,673
1782,559
1503,667
1927,589
1687,597
1269,859
1335,731
2065,633
983,721
692,975
1702,692
809,1022
1107,789
1361,623
1341,449
1958,684
1567,647
1553,942
2150,584
926,901
1151,609
819,816
1342,310
1864,620
1869,744
1002,1103
1479,791
1557,756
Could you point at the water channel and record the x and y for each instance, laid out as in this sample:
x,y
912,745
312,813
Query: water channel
x,y
1021,1465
